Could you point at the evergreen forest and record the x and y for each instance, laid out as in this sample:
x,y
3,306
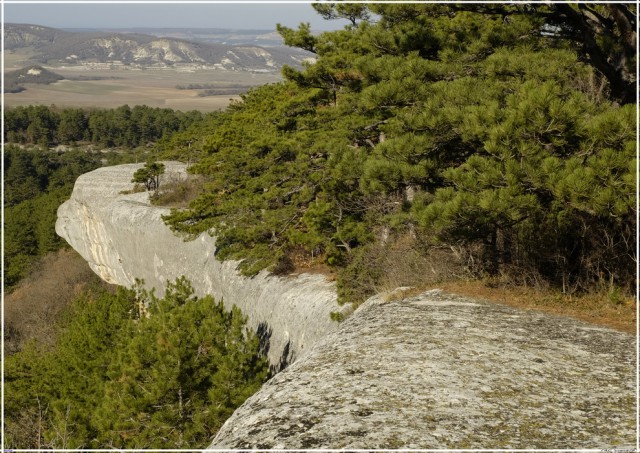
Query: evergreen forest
x,y
425,143
36,183
118,369
121,127
497,139
130,370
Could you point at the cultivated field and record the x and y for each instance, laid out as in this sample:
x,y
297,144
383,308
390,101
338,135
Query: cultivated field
x,y
119,86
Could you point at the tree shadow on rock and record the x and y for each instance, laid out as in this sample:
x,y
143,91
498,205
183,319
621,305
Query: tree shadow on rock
x,y
286,358
264,333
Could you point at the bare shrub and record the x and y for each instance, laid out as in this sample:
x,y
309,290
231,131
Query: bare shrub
x,y
178,190
310,262
137,188
401,261
283,266
27,429
407,263
33,307
596,88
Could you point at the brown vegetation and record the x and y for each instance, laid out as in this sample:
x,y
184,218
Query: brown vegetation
x,y
404,268
605,308
177,191
32,309
393,262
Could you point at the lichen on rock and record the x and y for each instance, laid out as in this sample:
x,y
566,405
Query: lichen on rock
x,y
441,371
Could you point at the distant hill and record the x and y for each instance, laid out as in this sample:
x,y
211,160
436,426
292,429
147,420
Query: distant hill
x,y
54,46
16,36
33,74
232,37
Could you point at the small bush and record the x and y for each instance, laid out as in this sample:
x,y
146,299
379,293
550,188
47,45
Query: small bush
x,y
398,262
137,188
337,316
177,191
283,266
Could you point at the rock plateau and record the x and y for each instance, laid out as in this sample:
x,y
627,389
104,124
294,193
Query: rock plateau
x,y
430,371
439,371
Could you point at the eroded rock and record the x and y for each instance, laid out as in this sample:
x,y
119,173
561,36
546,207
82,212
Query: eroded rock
x,y
441,371
123,238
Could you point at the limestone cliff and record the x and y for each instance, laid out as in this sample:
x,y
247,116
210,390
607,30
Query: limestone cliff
x,y
123,237
427,372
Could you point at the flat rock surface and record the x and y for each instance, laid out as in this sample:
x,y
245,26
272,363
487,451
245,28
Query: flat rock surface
x,y
439,371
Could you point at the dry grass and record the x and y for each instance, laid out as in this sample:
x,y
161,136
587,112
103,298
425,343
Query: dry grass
x,y
307,263
33,307
418,270
137,188
605,309
152,87
397,262
178,190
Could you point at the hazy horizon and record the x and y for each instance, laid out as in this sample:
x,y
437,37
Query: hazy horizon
x,y
238,16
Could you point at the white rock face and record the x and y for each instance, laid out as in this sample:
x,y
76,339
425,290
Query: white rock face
x,y
431,371
123,237
439,371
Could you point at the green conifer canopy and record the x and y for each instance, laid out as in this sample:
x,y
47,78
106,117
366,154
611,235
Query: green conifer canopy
x,y
493,127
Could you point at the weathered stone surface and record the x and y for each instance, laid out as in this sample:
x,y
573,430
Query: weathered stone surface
x,y
428,372
123,237
441,371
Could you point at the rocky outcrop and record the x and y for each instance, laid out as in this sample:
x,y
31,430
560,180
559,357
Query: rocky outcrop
x,y
123,237
142,50
431,371
438,371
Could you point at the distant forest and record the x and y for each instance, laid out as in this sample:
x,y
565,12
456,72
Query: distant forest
x,y
124,126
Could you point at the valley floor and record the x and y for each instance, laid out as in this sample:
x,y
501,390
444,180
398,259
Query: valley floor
x,y
151,87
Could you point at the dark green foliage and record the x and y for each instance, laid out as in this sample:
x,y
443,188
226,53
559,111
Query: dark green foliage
x,y
55,391
302,38
546,205
149,175
29,232
36,183
458,125
349,11
188,145
134,371
124,126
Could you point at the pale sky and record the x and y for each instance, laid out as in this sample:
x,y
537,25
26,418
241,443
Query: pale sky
x,y
234,15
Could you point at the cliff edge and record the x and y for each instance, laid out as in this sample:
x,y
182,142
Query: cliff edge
x,y
123,238
431,371
439,371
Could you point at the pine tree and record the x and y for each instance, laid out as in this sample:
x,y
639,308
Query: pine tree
x,y
436,121
162,388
